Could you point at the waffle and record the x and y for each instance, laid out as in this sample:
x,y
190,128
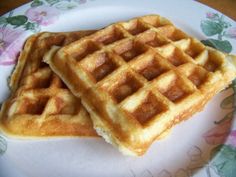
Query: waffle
x,y
139,78
40,103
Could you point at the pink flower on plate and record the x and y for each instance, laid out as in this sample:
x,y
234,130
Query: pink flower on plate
x,y
43,15
11,42
211,15
231,33
232,138
218,134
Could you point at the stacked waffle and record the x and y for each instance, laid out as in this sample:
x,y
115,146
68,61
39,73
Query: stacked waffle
x,y
40,103
136,79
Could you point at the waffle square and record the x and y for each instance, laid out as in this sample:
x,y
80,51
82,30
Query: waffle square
x,y
40,103
139,78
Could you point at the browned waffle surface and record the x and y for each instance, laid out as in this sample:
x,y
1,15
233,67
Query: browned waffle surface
x,y
139,78
40,103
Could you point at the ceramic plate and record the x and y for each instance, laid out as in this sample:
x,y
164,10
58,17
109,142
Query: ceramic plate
x,y
203,146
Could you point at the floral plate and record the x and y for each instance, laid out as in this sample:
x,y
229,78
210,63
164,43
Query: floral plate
x,y
204,146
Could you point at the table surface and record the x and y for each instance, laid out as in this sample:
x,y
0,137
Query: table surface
x,y
228,7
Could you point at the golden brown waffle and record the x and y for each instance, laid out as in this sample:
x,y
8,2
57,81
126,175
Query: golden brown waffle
x,y
139,78
40,103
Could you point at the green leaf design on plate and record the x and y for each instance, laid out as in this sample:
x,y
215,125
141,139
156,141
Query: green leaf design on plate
x,y
233,85
17,20
52,2
228,102
224,45
211,28
31,26
3,20
36,3
3,145
224,159
226,117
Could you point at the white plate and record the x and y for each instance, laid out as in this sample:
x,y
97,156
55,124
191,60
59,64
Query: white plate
x,y
185,152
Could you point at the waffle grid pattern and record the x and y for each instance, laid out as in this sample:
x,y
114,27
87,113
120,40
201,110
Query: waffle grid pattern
x,y
41,104
138,52
139,78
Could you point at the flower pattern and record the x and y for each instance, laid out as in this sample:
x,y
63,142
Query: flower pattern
x,y
11,42
43,15
215,27
211,15
40,14
231,140
231,33
218,134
